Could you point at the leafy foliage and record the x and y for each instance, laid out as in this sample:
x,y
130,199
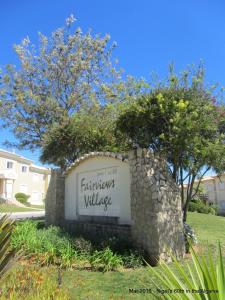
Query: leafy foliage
x,y
200,207
67,71
54,246
83,133
21,197
203,274
65,96
105,260
182,121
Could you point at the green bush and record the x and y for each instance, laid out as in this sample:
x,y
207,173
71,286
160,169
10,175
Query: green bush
x,y
132,259
117,244
215,207
22,198
200,207
82,246
105,260
196,201
52,245
193,206
211,211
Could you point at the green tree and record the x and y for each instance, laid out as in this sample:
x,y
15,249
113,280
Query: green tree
x,y
66,74
82,133
68,71
181,120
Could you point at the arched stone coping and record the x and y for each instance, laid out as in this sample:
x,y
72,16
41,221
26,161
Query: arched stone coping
x,y
122,157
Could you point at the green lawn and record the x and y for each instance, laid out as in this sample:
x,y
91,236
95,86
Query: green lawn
x,y
83,284
208,228
10,208
36,206
115,285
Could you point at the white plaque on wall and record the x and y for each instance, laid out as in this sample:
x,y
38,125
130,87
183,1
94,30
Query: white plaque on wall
x,y
98,192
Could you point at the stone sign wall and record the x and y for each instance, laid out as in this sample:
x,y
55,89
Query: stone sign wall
x,y
131,196
98,187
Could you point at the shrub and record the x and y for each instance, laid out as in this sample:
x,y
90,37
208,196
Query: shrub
x,y
195,200
200,207
132,259
215,207
52,245
82,246
105,260
22,198
211,211
117,244
193,206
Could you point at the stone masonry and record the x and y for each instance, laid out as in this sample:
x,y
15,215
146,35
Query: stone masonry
x,y
155,207
156,212
55,199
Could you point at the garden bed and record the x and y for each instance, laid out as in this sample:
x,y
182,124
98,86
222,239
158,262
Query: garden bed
x,y
74,283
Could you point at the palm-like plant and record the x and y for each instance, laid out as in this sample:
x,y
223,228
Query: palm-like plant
x,y
6,228
203,279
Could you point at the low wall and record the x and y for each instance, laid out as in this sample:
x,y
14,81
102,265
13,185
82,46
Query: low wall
x,y
98,229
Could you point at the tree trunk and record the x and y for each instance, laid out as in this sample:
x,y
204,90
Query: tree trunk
x,y
188,199
185,210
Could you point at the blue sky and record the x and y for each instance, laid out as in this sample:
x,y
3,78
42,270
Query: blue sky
x,y
150,34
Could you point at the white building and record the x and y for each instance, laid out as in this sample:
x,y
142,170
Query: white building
x,y
214,188
19,174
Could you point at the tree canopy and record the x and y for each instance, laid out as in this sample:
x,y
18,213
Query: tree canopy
x,y
82,133
63,73
181,120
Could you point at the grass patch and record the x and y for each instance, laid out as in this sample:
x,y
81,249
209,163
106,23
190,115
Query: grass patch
x,y
10,208
35,206
209,228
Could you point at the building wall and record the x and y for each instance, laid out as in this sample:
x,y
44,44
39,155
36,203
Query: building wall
x,y
34,182
30,183
214,188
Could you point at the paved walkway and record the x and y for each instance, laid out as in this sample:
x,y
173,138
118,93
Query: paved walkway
x,y
26,215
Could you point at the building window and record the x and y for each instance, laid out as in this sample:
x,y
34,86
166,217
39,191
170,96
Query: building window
x,y
24,169
23,188
35,178
9,164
